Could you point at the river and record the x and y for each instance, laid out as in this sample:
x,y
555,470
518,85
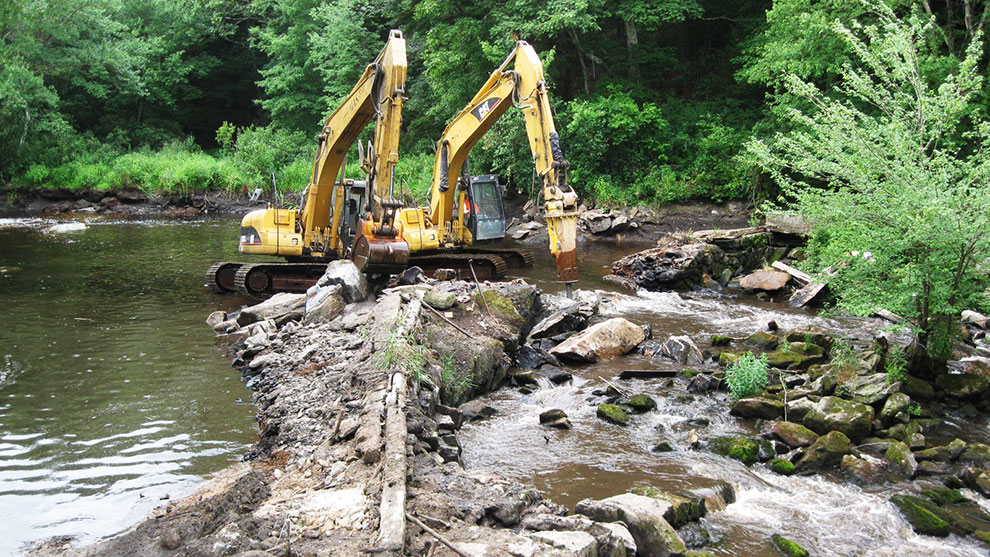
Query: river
x,y
113,396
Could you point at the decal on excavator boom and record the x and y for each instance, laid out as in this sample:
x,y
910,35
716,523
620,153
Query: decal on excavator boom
x,y
482,110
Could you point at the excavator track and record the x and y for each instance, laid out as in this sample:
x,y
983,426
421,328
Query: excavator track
x,y
220,277
261,280
486,266
514,258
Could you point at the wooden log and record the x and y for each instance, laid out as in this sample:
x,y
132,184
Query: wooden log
x,y
392,526
888,315
796,273
647,373
805,295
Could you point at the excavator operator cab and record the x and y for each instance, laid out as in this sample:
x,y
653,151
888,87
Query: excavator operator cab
x,y
354,192
486,216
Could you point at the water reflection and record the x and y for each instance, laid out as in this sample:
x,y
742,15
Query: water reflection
x,y
112,393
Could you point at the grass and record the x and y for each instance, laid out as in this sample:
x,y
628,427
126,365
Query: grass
x,y
748,376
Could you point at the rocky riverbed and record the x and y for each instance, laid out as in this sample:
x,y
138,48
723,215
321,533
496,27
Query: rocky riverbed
x,y
362,394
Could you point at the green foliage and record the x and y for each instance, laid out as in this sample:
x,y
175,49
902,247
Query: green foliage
x,y
914,409
747,376
895,366
179,167
454,379
263,150
905,213
612,138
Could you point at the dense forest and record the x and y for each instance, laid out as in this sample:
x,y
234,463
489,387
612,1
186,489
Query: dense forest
x,y
868,116
655,100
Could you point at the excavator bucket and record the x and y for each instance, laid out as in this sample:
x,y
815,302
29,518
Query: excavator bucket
x,y
380,255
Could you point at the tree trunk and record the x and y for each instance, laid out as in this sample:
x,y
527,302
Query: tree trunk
x,y
632,43
580,53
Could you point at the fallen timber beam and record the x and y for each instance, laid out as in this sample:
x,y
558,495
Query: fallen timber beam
x,y
392,510
647,373
798,275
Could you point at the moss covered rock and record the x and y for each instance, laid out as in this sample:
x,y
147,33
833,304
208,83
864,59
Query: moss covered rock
x,y
793,435
901,458
853,419
922,520
720,340
781,466
811,334
640,403
787,547
962,385
762,340
943,495
739,448
825,452
758,407
613,414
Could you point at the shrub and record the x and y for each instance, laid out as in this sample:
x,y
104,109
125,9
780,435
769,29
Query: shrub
x,y
891,162
611,135
748,376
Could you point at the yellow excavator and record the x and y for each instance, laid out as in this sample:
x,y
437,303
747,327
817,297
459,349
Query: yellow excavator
x,y
337,217
363,221
440,236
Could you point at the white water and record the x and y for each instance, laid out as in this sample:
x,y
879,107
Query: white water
x,y
595,459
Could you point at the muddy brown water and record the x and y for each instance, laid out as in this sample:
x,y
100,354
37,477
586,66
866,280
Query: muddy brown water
x,y
113,396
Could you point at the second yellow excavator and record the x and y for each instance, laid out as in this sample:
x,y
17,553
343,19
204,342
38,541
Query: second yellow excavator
x,y
439,236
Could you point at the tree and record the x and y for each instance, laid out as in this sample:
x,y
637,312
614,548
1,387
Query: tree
x,y
891,168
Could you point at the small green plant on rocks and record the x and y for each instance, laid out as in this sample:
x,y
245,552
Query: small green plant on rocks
x,y
451,378
748,376
895,366
914,409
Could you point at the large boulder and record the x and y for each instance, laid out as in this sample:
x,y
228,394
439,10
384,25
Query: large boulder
x,y
917,389
324,303
895,404
921,519
758,407
862,471
604,341
793,435
901,459
962,385
766,280
831,413
812,334
683,350
654,536
826,452
280,307
345,273
670,267
870,389
571,318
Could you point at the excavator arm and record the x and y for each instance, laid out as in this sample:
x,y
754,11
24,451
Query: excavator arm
x,y
377,94
316,233
525,88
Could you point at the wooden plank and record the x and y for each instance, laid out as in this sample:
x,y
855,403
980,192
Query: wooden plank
x,y
805,295
647,373
797,274
888,315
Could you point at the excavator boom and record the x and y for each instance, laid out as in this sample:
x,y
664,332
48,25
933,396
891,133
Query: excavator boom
x,y
524,87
